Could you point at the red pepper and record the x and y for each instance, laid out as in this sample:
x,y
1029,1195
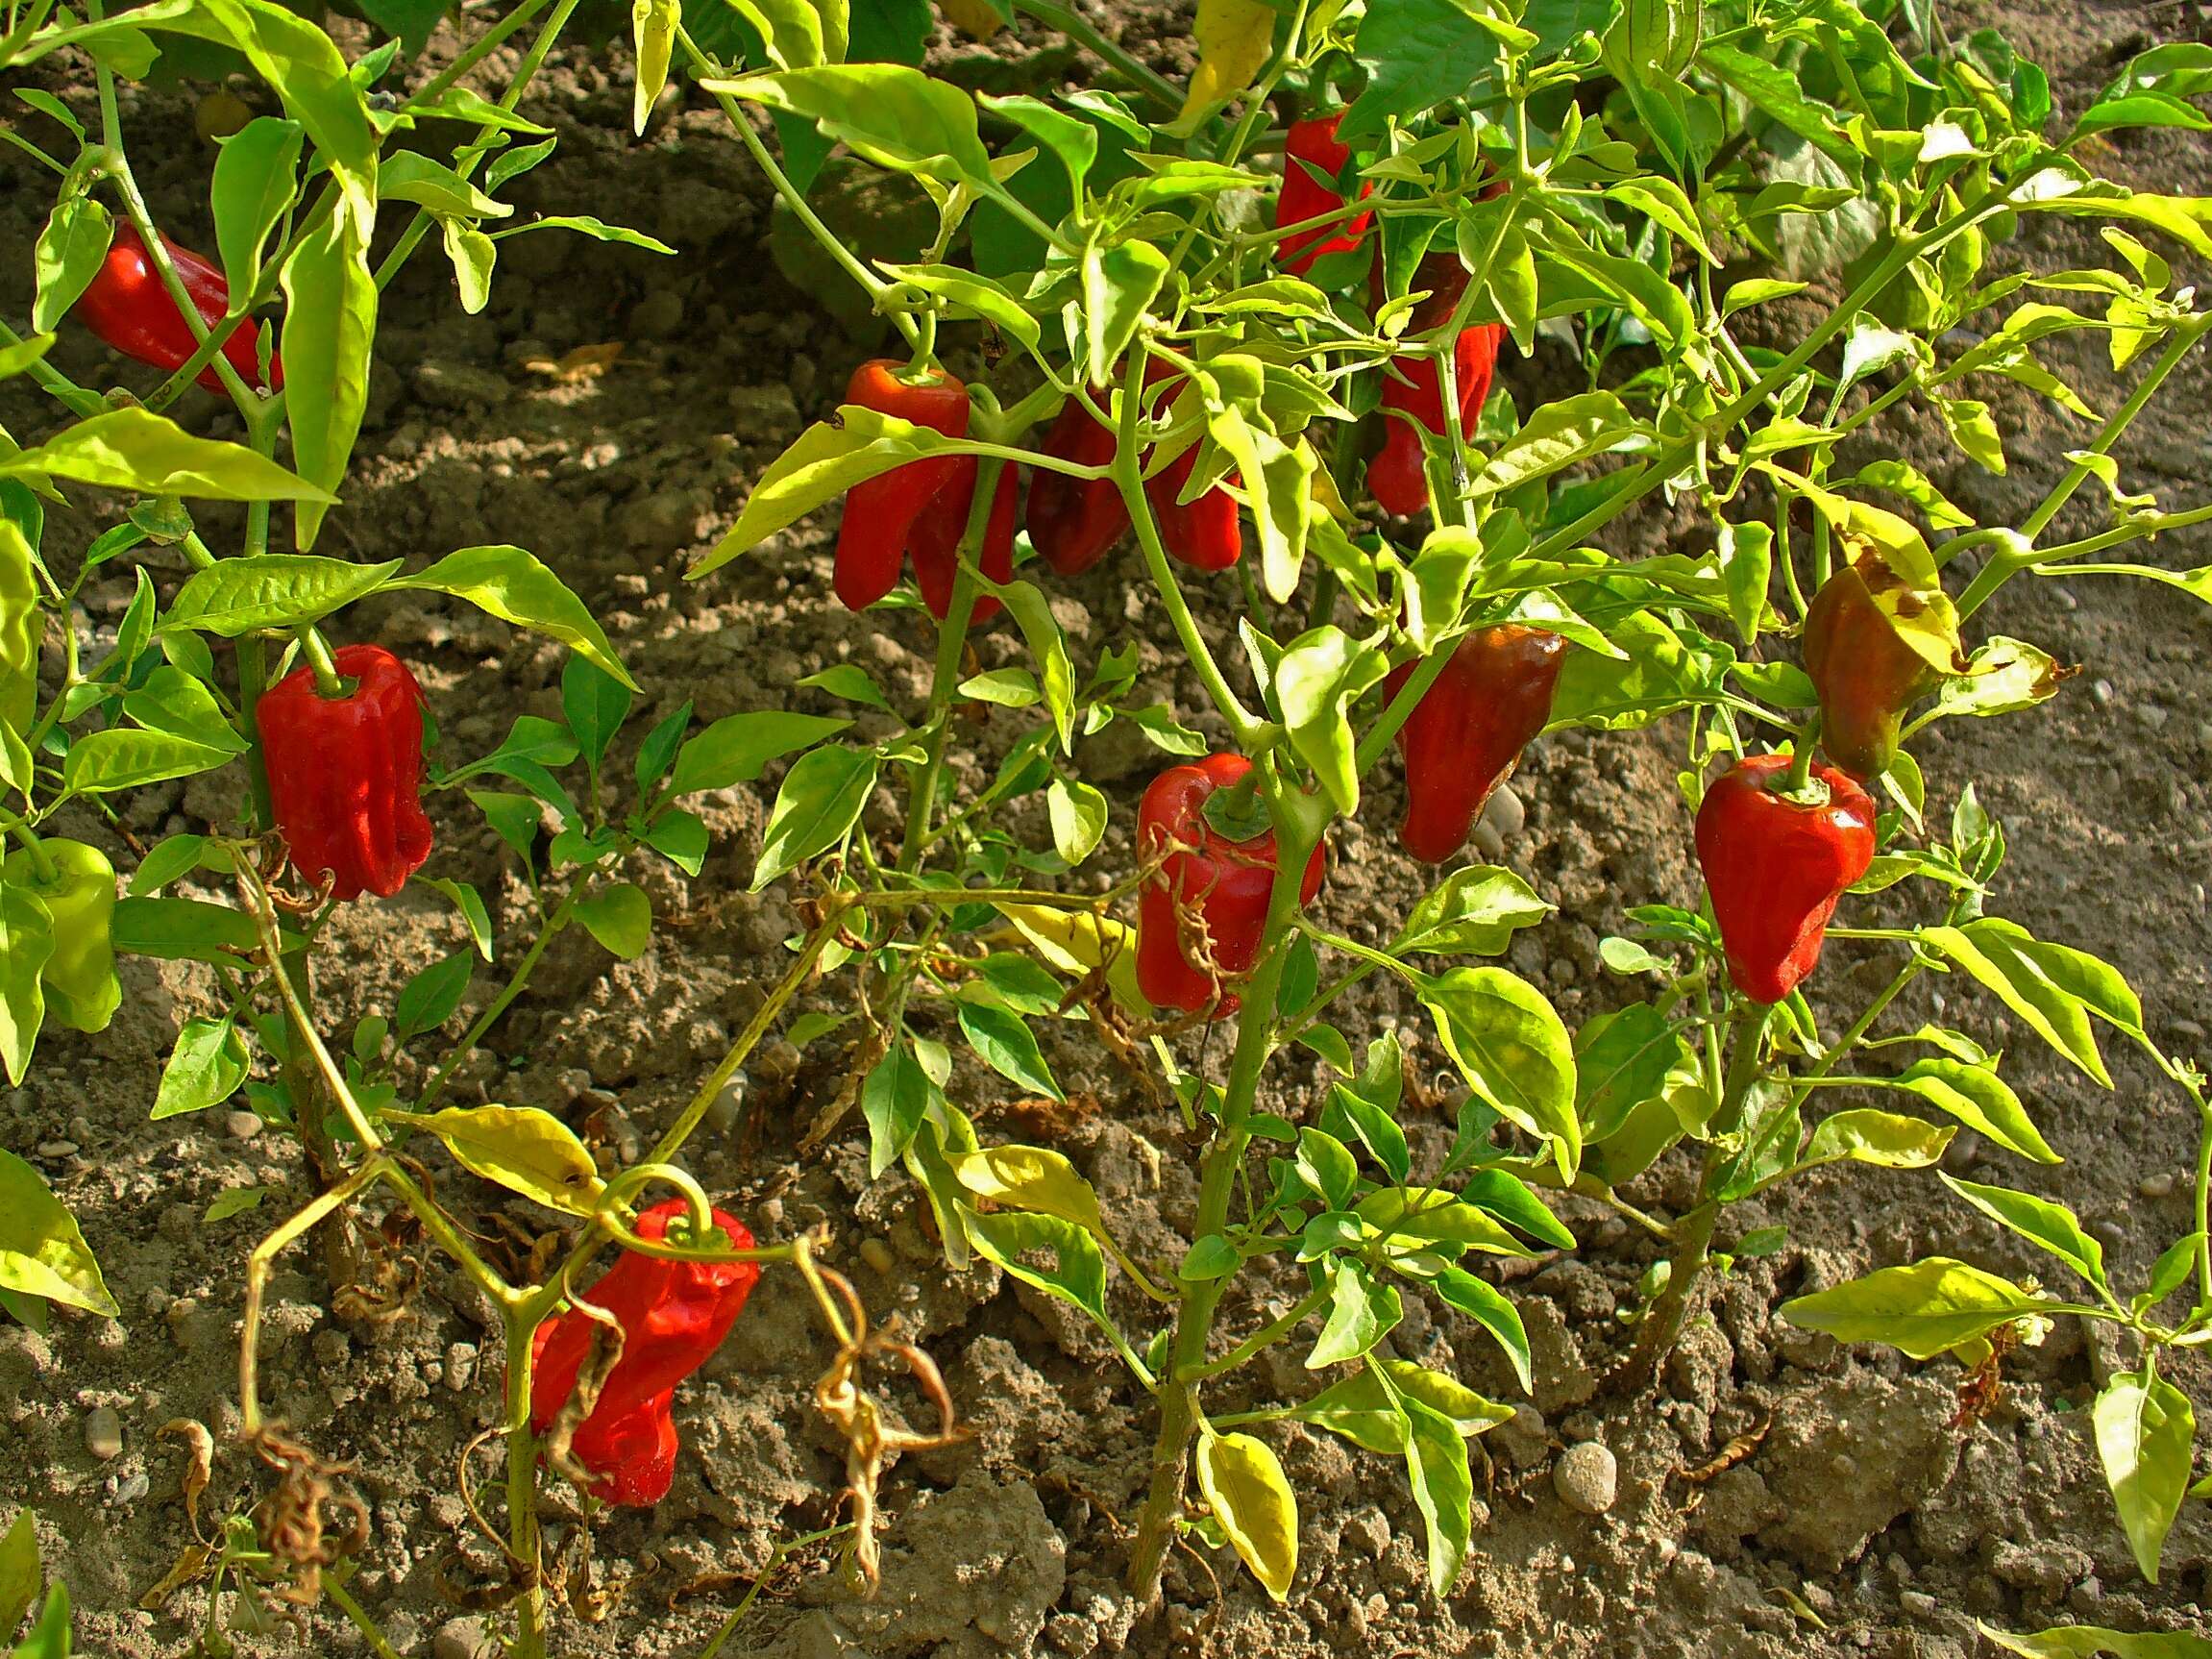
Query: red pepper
x,y
1205,533
1776,868
935,541
127,306
1865,671
1072,521
674,1315
1397,477
880,512
1227,882
346,773
1468,730
1312,149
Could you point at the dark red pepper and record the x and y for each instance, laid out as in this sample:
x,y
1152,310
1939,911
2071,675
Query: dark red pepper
x,y
674,1315
1072,521
1468,730
880,512
1865,671
1227,882
935,541
127,306
1313,161
346,773
1397,477
1776,867
1205,533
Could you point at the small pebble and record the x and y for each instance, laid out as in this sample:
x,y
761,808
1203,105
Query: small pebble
x,y
1587,1477
722,1113
1488,841
2101,690
57,1148
104,1433
1504,812
877,1254
2156,1186
2152,715
2065,596
80,1129
1920,1604
242,1126
133,1487
1963,1154
460,1364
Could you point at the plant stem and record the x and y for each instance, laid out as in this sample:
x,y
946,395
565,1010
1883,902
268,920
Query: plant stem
x,y
1663,1321
951,640
1179,1409
755,1028
2006,563
873,285
499,1004
1311,1305
522,1486
1079,29
1128,475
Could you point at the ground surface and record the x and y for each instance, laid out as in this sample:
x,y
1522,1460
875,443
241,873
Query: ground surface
x,y
1863,1522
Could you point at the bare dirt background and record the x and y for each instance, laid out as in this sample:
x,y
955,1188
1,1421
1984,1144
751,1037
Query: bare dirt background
x,y
1863,1524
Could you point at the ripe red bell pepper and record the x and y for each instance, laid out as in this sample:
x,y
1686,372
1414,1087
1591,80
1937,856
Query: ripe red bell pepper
x,y
1229,884
1072,521
1311,161
935,541
1464,736
880,512
1777,866
674,1315
1205,533
1411,392
1865,671
127,306
346,773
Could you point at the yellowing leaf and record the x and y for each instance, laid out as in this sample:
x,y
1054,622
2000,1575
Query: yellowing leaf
x,y
1246,1488
1031,1178
1233,38
523,1150
1078,941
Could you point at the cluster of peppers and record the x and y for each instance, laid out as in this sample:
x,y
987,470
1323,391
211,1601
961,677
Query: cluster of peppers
x,y
672,1315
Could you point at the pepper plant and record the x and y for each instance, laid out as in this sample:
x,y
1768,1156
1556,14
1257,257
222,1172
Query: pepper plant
x,y
224,660
1260,323
1178,334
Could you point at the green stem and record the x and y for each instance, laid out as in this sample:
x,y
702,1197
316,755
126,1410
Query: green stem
x,y
951,640
2009,562
362,1622
1078,29
1312,1304
521,1321
41,861
329,684
1179,1409
873,285
1128,475
516,982
484,44
758,1027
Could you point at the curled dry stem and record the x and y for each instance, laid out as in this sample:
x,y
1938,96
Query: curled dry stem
x,y
871,1441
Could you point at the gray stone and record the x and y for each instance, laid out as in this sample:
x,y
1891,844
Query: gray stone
x,y
104,1433
460,1639
1588,1478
